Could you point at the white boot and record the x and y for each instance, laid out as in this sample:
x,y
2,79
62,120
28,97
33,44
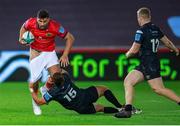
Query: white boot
x,y
36,108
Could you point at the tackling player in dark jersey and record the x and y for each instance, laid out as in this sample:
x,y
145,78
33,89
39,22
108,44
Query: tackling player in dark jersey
x,y
146,42
74,98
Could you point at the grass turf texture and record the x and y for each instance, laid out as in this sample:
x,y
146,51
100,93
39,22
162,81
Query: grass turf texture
x,y
16,108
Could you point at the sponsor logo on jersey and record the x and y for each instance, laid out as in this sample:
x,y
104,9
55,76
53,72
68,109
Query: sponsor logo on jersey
x,y
49,34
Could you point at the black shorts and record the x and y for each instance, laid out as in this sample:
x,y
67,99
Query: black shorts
x,y
90,95
150,67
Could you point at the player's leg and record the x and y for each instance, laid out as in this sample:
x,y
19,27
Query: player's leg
x,y
158,87
93,108
130,81
91,95
37,65
101,108
35,86
48,85
54,69
133,78
36,108
53,63
104,91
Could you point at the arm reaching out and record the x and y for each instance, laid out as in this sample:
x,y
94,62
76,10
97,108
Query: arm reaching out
x,y
64,61
170,45
39,101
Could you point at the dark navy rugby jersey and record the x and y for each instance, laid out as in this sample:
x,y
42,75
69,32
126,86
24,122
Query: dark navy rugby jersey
x,y
68,95
148,36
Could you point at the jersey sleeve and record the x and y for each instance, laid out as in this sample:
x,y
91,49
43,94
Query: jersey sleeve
x,y
62,32
138,37
47,97
161,34
27,24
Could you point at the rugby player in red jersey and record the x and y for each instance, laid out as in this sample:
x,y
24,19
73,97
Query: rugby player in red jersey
x,y
42,50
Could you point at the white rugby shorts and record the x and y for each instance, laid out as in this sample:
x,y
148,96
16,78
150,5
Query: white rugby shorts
x,y
41,62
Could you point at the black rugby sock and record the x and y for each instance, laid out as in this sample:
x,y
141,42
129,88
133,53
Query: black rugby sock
x,y
178,103
128,107
111,98
110,110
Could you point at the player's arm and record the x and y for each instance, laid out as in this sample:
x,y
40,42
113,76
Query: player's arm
x,y
168,43
22,31
133,50
69,38
136,44
39,101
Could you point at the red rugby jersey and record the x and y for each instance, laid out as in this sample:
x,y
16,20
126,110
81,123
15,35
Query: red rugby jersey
x,y
44,39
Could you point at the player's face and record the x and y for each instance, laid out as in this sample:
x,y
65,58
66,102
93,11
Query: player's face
x,y
42,23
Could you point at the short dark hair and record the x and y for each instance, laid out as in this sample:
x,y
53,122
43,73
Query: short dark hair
x,y
58,78
42,14
144,12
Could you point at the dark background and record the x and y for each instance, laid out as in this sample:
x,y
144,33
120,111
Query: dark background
x,y
94,23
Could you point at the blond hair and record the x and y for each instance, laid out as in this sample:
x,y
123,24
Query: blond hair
x,y
144,12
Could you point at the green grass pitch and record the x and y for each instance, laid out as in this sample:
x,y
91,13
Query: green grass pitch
x,y
16,108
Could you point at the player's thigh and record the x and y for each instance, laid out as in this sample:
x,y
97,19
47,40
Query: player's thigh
x,y
36,67
156,83
54,69
52,63
91,95
134,77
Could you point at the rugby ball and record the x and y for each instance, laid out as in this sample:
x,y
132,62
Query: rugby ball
x,y
28,37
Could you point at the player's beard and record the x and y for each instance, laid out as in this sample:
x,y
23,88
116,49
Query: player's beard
x,y
43,27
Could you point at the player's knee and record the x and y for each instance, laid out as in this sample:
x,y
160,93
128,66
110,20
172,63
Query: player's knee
x,y
103,89
99,108
54,69
128,83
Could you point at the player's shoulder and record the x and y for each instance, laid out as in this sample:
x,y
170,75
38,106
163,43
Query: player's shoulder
x,y
139,31
154,26
31,20
146,27
54,23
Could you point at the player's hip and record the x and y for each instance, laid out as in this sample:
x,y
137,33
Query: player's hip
x,y
149,71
